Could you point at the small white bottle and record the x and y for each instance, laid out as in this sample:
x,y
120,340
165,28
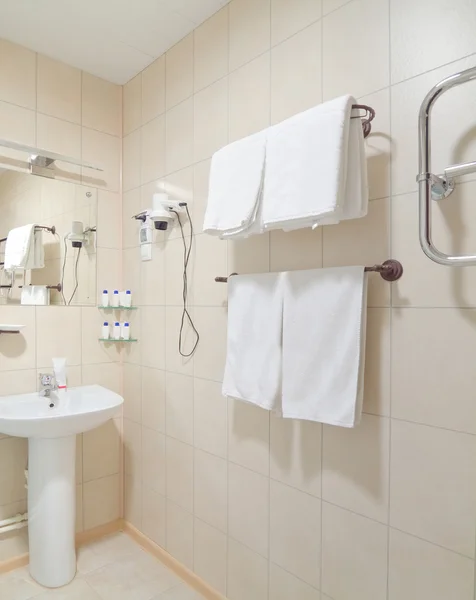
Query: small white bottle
x,y
127,302
115,299
105,298
116,331
126,331
105,331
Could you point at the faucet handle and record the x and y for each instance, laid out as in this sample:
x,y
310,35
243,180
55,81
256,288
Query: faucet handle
x,y
47,380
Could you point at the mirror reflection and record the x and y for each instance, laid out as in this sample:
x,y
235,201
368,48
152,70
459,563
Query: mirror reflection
x,y
47,241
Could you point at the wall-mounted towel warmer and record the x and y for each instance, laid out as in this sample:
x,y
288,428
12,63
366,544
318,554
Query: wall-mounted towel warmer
x,y
390,270
436,187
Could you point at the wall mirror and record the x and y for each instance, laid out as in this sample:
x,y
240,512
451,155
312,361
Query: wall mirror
x,y
65,214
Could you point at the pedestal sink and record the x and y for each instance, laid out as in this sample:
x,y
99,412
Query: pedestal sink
x,y
51,425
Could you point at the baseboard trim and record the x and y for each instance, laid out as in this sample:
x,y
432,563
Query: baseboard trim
x,y
188,576
83,537
14,563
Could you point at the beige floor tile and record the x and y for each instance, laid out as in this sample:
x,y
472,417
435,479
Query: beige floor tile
x,y
78,589
181,592
138,577
18,585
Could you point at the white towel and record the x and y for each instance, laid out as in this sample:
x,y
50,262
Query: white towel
x,y
253,360
324,327
316,169
24,249
36,260
236,181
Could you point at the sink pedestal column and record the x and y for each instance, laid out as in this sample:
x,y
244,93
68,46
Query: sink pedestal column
x,y
52,509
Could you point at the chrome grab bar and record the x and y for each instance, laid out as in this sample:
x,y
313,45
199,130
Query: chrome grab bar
x,y
440,185
458,170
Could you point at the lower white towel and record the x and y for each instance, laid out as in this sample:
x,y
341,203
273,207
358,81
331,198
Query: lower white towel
x,y
324,327
254,348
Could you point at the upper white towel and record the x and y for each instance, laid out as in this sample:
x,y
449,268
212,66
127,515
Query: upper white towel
x,y
236,183
324,328
24,249
254,351
306,171
316,171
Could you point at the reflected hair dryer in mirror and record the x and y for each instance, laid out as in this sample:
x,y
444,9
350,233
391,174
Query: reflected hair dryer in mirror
x,y
79,235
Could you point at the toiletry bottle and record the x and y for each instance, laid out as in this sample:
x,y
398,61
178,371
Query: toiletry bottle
x,y
116,332
126,331
127,302
59,368
105,330
105,298
115,299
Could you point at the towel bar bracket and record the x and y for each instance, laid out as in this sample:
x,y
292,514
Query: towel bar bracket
x,y
390,270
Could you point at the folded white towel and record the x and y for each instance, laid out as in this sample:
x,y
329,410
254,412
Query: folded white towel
x,y
24,249
324,328
253,360
315,168
236,178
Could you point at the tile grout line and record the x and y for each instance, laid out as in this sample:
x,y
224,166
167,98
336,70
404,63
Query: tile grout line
x,y
390,247
321,541
227,404
270,112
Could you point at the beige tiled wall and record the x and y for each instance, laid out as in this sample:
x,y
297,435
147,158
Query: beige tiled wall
x,y
57,107
258,506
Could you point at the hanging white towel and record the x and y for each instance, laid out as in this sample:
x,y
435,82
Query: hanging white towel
x,y
36,259
254,350
24,249
316,171
324,326
236,182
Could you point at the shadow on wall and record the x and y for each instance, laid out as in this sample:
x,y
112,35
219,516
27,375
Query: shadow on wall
x,y
12,345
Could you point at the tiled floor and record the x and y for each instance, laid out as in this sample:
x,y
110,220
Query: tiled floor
x,y
113,568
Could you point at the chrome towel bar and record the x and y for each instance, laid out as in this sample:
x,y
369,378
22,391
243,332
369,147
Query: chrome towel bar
x,y
435,187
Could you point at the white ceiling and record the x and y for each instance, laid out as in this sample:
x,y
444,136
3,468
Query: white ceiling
x,y
113,39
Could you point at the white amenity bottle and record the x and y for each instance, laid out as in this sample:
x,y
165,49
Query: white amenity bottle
x,y
126,331
127,302
105,298
116,331
115,299
105,330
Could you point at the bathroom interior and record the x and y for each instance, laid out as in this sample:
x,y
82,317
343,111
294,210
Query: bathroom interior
x,y
219,379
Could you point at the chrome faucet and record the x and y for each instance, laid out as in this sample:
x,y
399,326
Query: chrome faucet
x,y
48,385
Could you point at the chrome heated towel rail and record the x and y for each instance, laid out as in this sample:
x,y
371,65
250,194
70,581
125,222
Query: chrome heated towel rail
x,y
435,187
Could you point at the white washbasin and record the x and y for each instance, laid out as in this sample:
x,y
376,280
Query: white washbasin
x,y
51,433
75,411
